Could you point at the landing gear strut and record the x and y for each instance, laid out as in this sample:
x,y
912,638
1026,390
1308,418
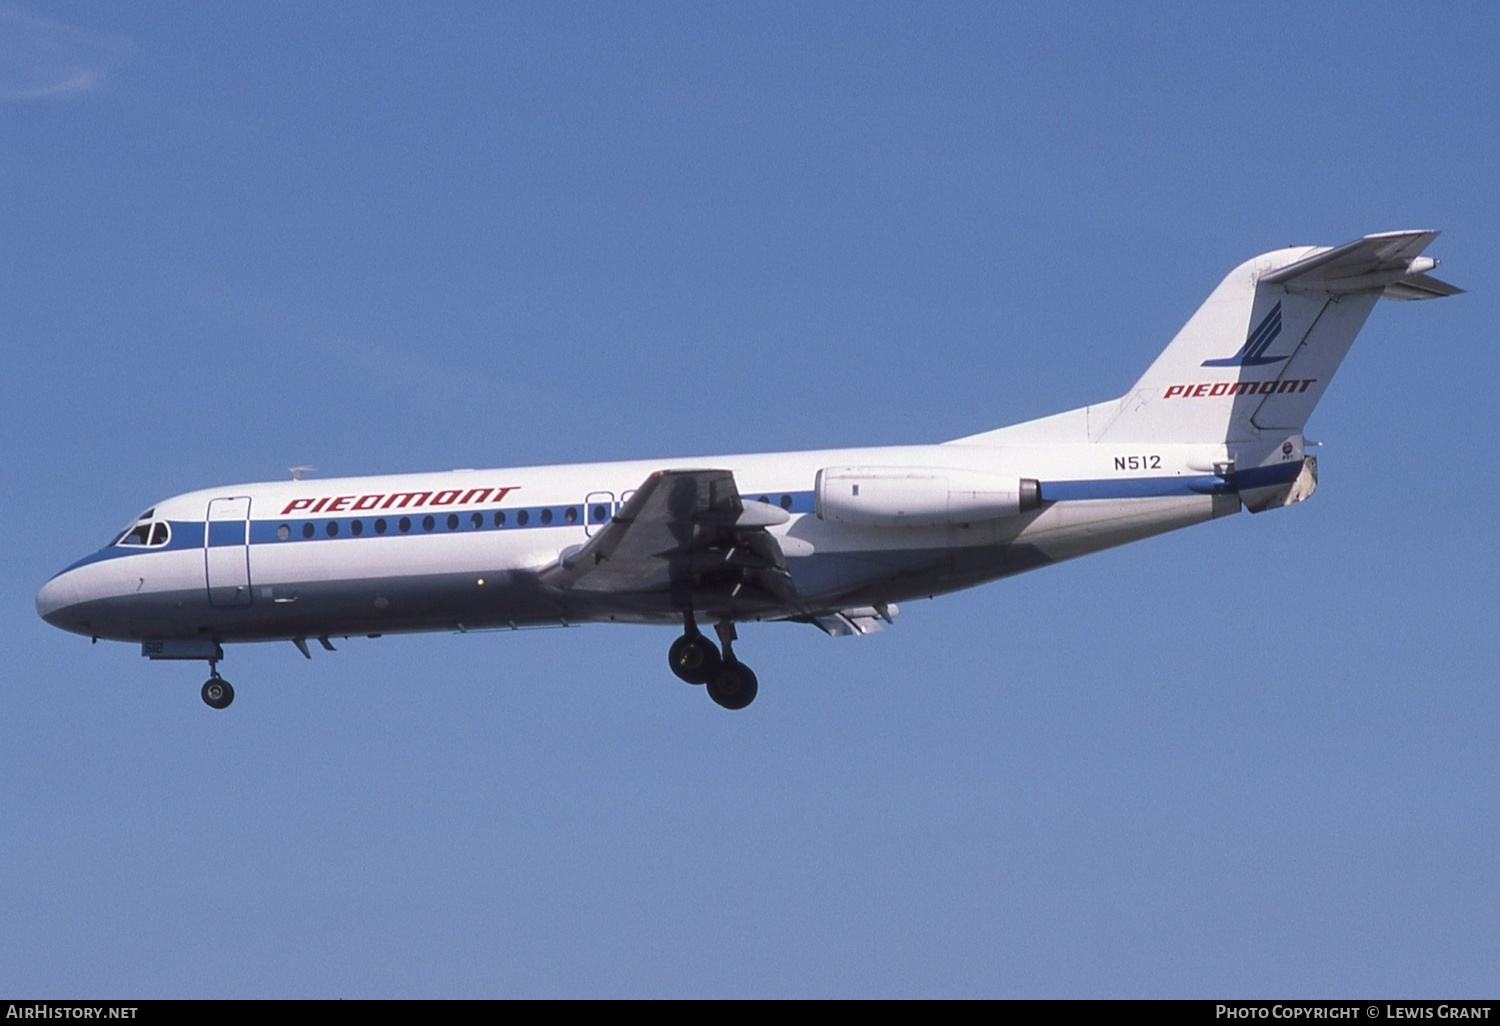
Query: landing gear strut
x,y
217,691
733,684
695,659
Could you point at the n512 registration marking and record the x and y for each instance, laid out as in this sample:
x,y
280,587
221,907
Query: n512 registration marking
x,y
1137,462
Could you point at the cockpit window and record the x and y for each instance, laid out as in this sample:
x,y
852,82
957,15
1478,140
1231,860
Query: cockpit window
x,y
145,534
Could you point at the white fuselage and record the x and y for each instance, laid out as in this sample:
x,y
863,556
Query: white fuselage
x,y
463,549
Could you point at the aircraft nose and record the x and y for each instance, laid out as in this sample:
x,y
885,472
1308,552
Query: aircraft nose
x,y
57,597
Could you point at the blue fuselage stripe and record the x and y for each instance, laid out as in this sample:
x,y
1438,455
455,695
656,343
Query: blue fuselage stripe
x,y
189,534
1162,487
1127,488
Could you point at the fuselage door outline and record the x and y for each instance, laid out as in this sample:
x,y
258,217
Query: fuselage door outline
x,y
226,552
598,510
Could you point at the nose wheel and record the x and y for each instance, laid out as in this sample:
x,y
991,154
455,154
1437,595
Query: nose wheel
x,y
695,659
217,692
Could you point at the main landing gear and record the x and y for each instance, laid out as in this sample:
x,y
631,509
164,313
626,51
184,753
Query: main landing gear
x,y
217,691
695,659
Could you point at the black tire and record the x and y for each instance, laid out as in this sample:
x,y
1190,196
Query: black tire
x,y
218,693
734,686
694,658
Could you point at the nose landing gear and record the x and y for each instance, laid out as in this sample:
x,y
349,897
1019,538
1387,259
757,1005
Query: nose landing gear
x,y
217,692
695,659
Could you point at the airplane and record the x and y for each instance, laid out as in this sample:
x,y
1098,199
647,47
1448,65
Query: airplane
x,y
834,538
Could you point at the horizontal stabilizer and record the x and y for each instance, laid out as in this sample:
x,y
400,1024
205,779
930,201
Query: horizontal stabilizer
x,y
1391,261
1420,286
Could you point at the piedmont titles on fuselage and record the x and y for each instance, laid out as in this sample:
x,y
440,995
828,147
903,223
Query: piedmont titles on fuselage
x,y
398,500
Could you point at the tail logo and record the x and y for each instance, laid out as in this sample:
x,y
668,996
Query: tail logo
x,y
1253,352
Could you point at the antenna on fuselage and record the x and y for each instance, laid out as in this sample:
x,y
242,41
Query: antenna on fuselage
x,y
297,471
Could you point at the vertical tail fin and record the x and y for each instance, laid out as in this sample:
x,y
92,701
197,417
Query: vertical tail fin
x,y
1259,353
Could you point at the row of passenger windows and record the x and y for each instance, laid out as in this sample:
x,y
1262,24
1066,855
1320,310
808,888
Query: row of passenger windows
x,y
157,533
598,514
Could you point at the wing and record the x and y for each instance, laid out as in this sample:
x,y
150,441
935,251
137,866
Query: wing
x,y
685,538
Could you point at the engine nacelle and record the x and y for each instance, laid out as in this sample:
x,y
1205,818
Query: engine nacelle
x,y
919,496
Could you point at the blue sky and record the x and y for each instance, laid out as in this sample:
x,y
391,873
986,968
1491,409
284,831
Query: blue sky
x,y
1257,758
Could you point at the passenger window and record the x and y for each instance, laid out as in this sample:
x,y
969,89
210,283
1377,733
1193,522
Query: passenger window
x,y
546,516
570,515
477,520
453,521
357,528
380,526
522,517
599,513
333,528
405,524
428,523
786,502
307,530
499,518
284,532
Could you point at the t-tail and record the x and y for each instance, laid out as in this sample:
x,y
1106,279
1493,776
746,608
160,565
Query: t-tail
x,y
1245,372
1258,355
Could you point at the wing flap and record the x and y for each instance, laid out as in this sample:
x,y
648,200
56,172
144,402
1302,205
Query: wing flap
x,y
847,623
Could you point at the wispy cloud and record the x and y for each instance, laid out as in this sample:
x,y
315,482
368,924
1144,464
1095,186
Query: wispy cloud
x,y
41,59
